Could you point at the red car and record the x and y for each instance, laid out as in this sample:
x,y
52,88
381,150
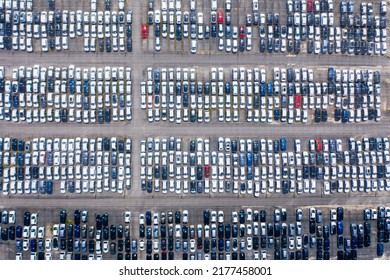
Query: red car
x,y
241,32
318,145
144,30
297,101
310,5
207,171
220,17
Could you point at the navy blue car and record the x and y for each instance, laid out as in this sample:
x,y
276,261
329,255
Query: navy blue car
x,y
49,187
345,116
283,144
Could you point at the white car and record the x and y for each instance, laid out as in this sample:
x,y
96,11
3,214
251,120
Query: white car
x,y
93,5
127,216
12,217
193,46
185,216
213,5
220,216
34,218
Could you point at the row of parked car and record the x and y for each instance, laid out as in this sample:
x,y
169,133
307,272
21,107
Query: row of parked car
x,y
248,233
101,30
382,217
170,22
357,34
66,94
66,165
22,5
313,21
293,95
78,233
263,166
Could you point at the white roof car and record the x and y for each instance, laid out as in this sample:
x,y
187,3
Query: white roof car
x,y
127,216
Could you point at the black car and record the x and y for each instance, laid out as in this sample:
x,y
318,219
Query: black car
x,y
179,32
340,213
206,217
4,234
8,43
107,115
324,115
91,246
108,45
270,45
379,249
310,46
69,230
337,115
129,30
101,45
11,233
242,45
177,217
77,216
317,115
213,31
112,232
107,5
70,244
52,45
290,46
262,46
129,44
297,46
63,216
64,115
52,5
26,217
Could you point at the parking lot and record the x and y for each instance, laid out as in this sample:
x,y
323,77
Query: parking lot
x,y
211,233
174,55
287,27
61,94
67,166
54,27
264,167
290,95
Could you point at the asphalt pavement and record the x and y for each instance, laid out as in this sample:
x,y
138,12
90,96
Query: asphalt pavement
x,y
139,129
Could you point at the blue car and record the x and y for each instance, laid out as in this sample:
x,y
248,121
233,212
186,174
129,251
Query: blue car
x,y
15,101
71,86
340,227
276,114
270,88
330,74
283,144
49,187
262,89
41,245
86,88
19,232
42,187
345,116
71,186
20,159
379,249
33,245
249,158
242,159
326,244
221,244
19,245
114,173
